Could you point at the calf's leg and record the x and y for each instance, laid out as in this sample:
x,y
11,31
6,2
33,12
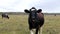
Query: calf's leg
x,y
31,31
37,30
40,30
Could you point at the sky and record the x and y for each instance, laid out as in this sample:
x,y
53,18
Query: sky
x,y
47,6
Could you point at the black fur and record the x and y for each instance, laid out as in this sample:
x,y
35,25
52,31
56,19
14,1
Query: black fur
x,y
37,21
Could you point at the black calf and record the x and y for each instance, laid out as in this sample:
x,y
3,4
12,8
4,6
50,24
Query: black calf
x,y
35,20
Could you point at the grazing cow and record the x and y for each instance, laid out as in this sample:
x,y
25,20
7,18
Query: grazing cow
x,y
5,15
54,14
35,20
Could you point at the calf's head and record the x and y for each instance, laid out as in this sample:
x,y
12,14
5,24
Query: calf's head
x,y
32,13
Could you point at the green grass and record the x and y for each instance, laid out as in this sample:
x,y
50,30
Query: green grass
x,y
17,24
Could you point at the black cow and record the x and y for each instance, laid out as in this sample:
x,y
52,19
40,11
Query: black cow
x,y
35,20
4,15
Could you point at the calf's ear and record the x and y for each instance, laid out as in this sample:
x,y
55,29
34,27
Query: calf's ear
x,y
27,11
39,10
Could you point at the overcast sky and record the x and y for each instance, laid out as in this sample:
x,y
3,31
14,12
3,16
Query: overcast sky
x,y
48,6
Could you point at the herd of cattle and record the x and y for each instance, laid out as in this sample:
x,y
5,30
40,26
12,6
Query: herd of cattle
x,y
35,20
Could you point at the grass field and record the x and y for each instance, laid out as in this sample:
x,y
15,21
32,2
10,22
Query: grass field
x,y
17,24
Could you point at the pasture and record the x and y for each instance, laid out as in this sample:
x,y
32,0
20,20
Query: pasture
x,y
18,24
